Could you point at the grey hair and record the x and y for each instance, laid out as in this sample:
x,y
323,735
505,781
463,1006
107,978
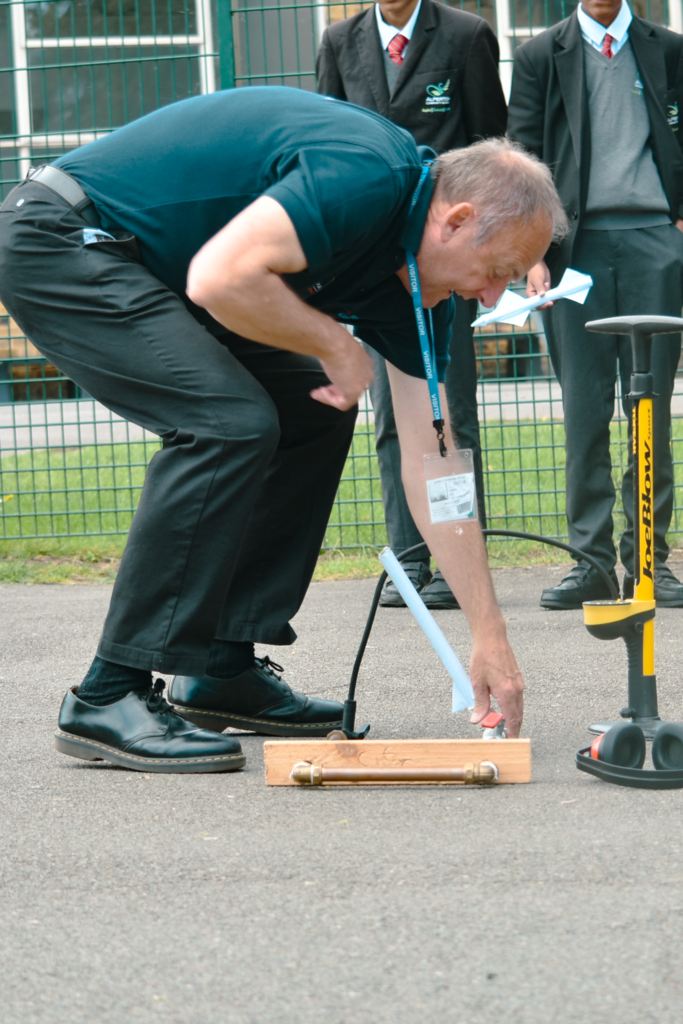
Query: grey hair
x,y
504,182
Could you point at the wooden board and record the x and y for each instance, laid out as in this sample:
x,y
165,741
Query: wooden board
x,y
511,757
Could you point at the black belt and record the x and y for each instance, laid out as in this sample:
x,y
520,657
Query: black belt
x,y
68,188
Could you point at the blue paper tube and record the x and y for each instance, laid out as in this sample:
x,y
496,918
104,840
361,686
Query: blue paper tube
x,y
463,694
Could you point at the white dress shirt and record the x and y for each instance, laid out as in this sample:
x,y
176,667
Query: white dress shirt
x,y
594,33
387,32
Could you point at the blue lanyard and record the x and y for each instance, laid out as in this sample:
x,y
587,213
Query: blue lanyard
x,y
427,346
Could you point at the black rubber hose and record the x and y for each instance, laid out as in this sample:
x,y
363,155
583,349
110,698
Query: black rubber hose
x,y
579,555
371,616
575,552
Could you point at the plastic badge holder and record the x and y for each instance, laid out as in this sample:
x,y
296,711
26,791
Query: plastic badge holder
x,y
451,489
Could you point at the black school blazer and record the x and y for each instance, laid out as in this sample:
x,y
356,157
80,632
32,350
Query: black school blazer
x,y
447,94
549,113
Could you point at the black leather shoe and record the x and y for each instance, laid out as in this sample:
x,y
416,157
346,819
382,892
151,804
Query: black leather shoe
x,y
142,731
583,583
437,593
668,590
258,700
419,575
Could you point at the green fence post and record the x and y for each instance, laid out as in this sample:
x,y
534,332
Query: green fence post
x,y
226,45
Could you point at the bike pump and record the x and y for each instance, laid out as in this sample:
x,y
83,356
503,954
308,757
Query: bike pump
x,y
633,620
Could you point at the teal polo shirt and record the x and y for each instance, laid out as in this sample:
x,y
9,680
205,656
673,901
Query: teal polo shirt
x,y
344,175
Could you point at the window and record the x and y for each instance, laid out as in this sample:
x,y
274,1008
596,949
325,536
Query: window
x,y
73,69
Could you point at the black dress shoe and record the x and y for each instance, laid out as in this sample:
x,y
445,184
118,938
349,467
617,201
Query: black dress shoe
x,y
142,731
437,593
419,575
258,700
668,590
583,583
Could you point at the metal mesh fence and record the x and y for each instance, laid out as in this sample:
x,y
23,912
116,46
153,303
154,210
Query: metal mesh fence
x,y
71,70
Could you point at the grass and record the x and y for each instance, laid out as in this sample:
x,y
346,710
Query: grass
x,y
83,500
61,560
92,490
64,561
356,565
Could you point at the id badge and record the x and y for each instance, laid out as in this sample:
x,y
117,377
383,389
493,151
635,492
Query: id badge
x,y
451,491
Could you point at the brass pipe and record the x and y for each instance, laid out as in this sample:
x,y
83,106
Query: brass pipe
x,y
307,774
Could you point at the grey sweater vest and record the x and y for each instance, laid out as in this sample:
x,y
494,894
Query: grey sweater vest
x,y
624,190
391,70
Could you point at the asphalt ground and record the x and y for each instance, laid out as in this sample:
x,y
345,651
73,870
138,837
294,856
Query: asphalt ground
x,y
211,899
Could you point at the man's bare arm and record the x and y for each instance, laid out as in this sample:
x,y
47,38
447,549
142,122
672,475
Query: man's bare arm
x,y
236,277
460,554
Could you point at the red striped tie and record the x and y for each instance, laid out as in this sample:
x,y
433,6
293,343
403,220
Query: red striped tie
x,y
396,48
607,45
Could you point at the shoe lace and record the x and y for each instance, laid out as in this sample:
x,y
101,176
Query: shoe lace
x,y
271,666
154,697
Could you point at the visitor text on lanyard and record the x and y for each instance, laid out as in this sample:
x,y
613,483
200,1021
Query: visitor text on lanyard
x,y
426,337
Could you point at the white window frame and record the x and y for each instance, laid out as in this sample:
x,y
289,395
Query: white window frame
x,y
21,44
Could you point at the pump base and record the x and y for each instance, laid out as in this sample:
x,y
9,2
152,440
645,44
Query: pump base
x,y
648,725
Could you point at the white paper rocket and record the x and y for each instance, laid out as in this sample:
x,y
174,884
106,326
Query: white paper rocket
x,y
514,309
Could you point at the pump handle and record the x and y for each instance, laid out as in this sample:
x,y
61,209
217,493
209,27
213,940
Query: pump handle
x,y
641,329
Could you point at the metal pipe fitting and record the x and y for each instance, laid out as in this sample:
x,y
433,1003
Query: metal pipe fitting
x,y
307,774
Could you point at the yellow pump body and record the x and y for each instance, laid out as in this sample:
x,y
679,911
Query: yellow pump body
x,y
634,620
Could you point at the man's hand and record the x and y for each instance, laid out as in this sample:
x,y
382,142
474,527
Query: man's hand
x,y
679,225
460,555
350,372
538,282
236,276
494,672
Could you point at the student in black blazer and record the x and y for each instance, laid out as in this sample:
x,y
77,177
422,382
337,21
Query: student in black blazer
x,y
446,92
624,200
449,48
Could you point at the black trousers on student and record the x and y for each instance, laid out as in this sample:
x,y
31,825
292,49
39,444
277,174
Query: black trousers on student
x,y
461,395
235,505
634,271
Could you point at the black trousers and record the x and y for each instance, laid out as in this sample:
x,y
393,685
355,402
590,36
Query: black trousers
x,y
634,271
461,395
236,503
